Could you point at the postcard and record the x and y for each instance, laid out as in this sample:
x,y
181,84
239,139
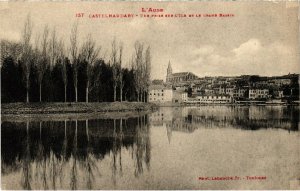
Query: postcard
x,y
143,95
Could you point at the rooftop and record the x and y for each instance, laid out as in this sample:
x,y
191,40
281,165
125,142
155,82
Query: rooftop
x,y
179,74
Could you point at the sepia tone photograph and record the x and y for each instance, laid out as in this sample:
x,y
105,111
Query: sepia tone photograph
x,y
156,95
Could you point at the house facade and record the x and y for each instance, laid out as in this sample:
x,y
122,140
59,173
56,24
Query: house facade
x,y
258,93
160,93
210,99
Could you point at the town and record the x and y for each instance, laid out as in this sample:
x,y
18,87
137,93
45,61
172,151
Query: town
x,y
187,88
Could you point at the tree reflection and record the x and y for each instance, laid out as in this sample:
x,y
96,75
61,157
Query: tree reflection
x,y
118,136
90,162
73,183
68,154
26,167
63,153
142,146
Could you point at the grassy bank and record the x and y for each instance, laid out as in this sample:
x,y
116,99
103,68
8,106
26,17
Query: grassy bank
x,y
75,108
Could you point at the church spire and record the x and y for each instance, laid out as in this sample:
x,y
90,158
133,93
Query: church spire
x,y
169,71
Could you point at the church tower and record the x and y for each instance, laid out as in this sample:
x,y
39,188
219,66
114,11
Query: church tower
x,y
169,72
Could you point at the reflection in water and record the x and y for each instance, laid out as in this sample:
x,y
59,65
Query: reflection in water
x,y
116,153
188,119
49,153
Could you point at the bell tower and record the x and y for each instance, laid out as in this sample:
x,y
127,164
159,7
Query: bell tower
x,y
169,72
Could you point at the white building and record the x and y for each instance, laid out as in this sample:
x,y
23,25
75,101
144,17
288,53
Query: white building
x,y
258,93
211,99
179,96
238,92
160,93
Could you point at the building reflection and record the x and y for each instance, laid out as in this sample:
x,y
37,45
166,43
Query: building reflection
x,y
49,154
188,119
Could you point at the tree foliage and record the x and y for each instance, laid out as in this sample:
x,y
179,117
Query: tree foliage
x,y
50,71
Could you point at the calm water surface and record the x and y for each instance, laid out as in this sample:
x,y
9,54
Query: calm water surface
x,y
168,149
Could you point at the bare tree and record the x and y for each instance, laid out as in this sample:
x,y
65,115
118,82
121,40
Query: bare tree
x,y
89,53
37,57
121,81
12,49
3,52
26,53
138,68
74,56
61,58
142,82
147,77
114,63
53,48
42,60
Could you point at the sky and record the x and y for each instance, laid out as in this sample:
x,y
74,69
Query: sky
x,y
262,38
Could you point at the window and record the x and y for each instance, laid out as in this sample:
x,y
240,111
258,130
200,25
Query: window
x,y
162,94
158,94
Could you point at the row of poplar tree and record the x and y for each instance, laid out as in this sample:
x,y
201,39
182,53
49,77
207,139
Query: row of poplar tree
x,y
47,70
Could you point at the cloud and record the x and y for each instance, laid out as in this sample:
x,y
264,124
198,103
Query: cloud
x,y
251,57
252,46
204,50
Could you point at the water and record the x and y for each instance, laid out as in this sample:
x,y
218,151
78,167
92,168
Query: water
x,y
168,149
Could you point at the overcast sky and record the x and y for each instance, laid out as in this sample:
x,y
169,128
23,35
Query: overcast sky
x,y
261,38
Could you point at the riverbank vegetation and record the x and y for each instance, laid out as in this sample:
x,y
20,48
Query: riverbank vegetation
x,y
47,68
75,108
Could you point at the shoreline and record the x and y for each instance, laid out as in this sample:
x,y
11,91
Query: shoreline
x,y
71,116
60,108
225,104
58,111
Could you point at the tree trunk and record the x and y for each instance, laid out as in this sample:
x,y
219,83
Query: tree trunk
x,y
87,91
76,99
115,92
40,129
121,92
76,125
27,95
65,93
40,92
87,95
65,128
87,129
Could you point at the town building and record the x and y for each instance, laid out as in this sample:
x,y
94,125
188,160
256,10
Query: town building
x,y
238,88
179,77
257,93
179,96
281,81
238,92
278,94
163,93
210,99
160,93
